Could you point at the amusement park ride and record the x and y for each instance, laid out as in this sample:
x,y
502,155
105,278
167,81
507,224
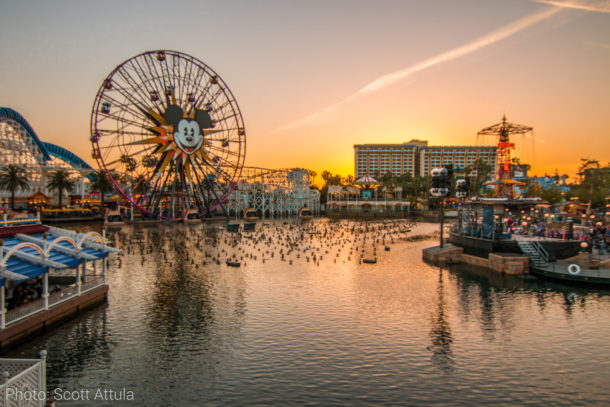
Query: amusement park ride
x,y
169,134
503,182
485,225
271,193
21,147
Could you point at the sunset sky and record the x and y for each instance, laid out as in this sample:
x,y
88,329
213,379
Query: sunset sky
x,y
313,78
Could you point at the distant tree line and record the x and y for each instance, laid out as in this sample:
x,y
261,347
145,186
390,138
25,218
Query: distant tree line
x,y
592,184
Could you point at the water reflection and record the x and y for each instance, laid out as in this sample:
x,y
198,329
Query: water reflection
x,y
76,346
495,293
440,333
476,288
182,328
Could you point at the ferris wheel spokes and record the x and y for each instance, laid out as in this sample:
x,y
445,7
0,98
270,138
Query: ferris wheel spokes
x,y
169,163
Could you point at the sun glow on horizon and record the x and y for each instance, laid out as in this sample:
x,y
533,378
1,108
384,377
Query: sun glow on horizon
x,y
382,73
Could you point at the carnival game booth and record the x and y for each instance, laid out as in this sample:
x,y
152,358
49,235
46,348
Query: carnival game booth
x,y
46,275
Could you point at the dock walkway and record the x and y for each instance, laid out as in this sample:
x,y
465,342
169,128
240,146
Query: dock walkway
x,y
560,269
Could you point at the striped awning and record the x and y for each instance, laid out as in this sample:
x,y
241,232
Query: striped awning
x,y
366,180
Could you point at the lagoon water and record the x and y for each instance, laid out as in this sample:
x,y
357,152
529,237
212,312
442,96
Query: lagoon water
x,y
334,331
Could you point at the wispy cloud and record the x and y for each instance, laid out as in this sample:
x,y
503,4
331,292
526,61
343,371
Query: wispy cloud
x,y
600,6
394,77
593,44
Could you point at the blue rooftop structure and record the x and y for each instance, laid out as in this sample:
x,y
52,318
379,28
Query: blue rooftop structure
x,y
25,256
31,250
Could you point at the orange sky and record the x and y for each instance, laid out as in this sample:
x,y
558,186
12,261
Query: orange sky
x,y
375,71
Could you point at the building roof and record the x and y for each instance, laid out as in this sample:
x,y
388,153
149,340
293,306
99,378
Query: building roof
x,y
366,180
422,147
477,147
386,145
38,193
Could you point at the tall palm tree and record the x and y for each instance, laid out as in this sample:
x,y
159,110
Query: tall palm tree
x,y
60,181
12,178
101,184
312,177
483,172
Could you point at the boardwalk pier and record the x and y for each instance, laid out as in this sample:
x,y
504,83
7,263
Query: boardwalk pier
x,y
34,257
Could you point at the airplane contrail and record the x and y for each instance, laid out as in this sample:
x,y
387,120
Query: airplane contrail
x,y
600,6
394,77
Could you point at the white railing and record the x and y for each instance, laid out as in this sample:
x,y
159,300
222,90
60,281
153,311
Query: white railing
x,y
90,285
23,382
24,311
63,295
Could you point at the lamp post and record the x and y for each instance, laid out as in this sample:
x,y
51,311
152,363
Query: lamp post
x,y
131,204
440,188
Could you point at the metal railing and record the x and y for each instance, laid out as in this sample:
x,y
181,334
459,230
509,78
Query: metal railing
x,y
544,255
90,285
23,382
63,295
24,311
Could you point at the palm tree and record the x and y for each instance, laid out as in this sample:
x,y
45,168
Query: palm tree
x,y
12,178
101,184
482,172
140,186
312,177
60,181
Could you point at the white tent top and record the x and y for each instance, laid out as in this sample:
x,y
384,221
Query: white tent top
x,y
366,180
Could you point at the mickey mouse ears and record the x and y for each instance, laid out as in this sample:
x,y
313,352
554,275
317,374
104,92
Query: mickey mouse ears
x,y
174,113
203,119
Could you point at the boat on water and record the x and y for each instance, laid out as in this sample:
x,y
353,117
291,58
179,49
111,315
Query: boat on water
x,y
113,218
305,213
250,215
506,223
233,227
70,214
191,216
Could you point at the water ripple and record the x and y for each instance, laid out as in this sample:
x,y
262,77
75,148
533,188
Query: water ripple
x,y
182,330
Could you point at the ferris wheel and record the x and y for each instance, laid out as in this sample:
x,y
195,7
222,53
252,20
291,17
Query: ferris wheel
x,y
169,134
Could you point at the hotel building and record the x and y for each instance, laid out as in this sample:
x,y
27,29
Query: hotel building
x,y
458,156
415,157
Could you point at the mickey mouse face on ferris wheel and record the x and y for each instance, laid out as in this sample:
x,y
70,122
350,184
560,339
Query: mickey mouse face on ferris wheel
x,y
188,134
